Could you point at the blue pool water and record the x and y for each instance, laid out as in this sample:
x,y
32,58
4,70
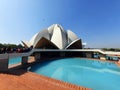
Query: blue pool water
x,y
93,74
14,60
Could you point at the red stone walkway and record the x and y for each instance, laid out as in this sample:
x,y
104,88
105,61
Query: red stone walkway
x,y
32,81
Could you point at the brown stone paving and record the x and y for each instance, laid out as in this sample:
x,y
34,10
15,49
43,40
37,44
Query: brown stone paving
x,y
21,80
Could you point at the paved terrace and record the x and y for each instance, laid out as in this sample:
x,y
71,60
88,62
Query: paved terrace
x,y
22,80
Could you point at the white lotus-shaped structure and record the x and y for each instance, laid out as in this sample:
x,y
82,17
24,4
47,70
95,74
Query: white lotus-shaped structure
x,y
54,37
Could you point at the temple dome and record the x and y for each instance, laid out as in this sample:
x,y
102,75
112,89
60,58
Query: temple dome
x,y
54,37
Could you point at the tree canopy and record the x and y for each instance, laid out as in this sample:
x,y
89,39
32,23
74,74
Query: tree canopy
x,y
10,45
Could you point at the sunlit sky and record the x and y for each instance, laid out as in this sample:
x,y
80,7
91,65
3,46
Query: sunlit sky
x,y
96,22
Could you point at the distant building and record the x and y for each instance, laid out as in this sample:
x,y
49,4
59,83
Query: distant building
x,y
55,37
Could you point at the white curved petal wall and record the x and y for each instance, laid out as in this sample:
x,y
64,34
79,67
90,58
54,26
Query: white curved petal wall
x,y
33,39
71,36
59,38
55,35
44,33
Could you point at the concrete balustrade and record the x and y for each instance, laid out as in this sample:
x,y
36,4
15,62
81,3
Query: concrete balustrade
x,y
24,60
37,57
40,53
4,58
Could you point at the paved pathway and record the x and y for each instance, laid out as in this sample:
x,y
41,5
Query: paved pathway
x,y
31,81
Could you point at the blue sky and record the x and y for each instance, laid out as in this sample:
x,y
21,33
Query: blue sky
x,y
96,22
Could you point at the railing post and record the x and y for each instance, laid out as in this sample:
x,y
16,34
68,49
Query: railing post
x,y
37,57
103,56
4,62
89,54
24,60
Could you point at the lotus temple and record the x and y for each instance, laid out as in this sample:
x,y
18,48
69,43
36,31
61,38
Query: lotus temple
x,y
54,37
58,60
